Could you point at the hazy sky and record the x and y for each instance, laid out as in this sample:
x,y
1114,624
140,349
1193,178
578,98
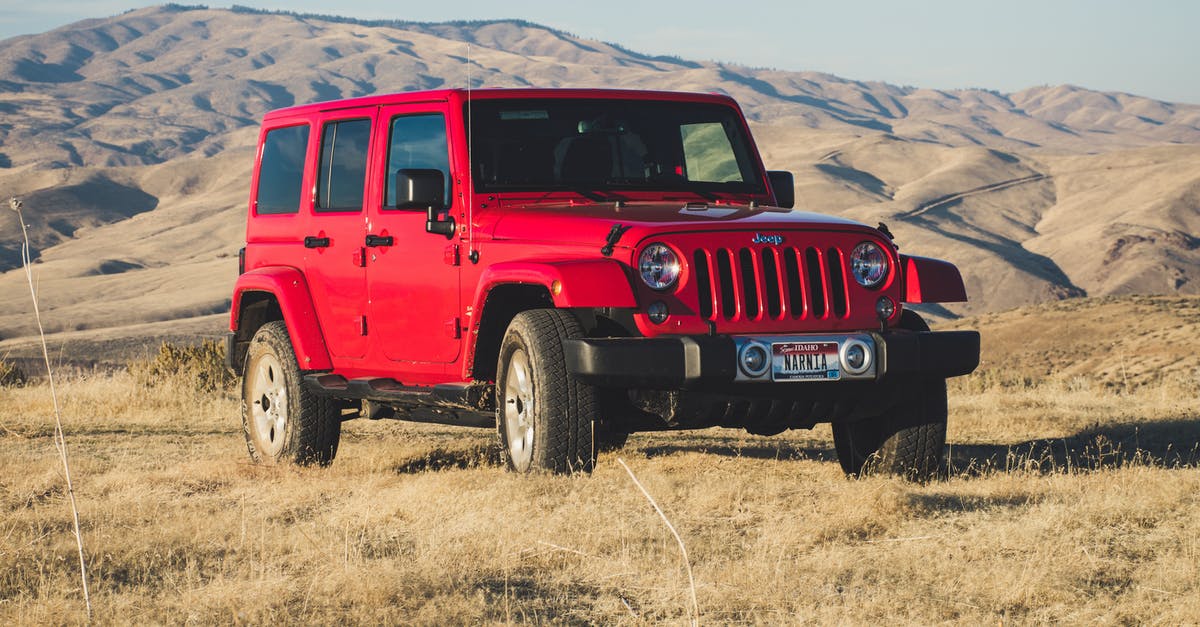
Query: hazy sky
x,y
1149,48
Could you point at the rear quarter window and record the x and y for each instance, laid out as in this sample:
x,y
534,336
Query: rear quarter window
x,y
342,177
281,171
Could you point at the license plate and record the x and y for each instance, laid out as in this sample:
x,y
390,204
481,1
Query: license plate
x,y
805,361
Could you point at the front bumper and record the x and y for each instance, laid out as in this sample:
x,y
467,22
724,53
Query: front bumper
x,y
677,362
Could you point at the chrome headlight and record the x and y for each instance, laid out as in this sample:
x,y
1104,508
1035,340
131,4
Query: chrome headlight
x,y
659,266
868,264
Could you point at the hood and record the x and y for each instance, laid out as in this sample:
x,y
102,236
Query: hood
x,y
587,223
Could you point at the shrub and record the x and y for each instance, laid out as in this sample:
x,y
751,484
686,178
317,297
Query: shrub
x,y
11,375
200,365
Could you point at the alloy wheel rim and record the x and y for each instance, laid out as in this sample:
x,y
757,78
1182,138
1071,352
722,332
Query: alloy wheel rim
x,y
518,410
268,403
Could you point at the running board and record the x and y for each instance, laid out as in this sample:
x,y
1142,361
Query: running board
x,y
465,404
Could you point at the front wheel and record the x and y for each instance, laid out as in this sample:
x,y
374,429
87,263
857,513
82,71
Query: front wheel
x,y
545,415
909,440
283,422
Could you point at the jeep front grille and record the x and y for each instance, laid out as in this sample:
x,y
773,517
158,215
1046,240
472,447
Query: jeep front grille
x,y
776,283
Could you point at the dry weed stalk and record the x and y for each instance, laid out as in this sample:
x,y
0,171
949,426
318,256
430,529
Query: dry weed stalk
x,y
682,549
60,441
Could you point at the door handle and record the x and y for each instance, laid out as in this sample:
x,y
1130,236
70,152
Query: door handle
x,y
380,240
316,242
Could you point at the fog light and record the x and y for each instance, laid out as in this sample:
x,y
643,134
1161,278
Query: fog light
x,y
856,357
754,360
657,312
885,308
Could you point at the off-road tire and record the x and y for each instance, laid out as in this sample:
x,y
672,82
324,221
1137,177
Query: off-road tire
x,y
282,421
909,440
544,416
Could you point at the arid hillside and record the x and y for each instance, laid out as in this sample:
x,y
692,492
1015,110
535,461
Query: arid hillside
x,y
131,139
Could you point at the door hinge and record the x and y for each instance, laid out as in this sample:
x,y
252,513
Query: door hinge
x,y
362,326
360,257
451,256
452,328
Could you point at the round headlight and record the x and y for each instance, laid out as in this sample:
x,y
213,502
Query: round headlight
x,y
659,266
868,264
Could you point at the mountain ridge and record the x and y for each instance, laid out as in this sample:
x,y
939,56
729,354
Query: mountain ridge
x,y
101,73
1041,194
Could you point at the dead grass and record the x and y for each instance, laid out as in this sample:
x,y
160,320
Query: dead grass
x,y
1070,498
201,365
1066,503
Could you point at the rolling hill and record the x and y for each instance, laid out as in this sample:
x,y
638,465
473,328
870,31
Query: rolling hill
x,y
131,139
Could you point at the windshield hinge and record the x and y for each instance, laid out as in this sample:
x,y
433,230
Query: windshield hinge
x,y
614,236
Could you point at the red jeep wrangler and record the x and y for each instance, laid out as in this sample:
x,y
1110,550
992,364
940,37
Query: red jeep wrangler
x,y
569,267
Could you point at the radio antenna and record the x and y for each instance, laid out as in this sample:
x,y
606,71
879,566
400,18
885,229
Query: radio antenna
x,y
470,167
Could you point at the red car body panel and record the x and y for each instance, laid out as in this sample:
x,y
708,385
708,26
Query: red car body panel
x,y
570,282
932,281
288,287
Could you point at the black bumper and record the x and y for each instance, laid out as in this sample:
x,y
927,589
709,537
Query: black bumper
x,y
693,361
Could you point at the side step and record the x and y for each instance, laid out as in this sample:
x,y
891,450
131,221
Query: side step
x,y
464,404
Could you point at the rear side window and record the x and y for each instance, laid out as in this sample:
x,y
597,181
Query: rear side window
x,y
281,173
343,165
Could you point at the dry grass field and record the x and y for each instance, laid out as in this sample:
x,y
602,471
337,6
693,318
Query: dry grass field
x,y
1073,496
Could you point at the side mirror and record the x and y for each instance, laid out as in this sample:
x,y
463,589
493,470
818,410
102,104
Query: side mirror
x,y
425,189
784,187
420,188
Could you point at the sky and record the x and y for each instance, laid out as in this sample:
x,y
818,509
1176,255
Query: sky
x,y
1149,48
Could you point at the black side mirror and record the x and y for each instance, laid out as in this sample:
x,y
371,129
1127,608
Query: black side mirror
x,y
425,189
420,188
784,187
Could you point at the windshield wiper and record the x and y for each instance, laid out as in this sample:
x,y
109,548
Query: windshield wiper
x,y
591,194
663,186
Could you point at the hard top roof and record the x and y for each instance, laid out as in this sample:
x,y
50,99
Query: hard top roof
x,y
492,93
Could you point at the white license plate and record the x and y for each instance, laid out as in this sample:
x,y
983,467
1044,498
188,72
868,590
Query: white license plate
x,y
805,361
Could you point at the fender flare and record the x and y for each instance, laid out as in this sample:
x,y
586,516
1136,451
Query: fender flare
x,y
931,281
290,290
570,283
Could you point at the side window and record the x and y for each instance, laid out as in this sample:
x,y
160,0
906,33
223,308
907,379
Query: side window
x,y
708,155
343,170
281,172
417,141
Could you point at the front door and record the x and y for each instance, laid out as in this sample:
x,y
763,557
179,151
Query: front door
x,y
412,275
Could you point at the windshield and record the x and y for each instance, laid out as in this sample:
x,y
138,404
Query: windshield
x,y
605,144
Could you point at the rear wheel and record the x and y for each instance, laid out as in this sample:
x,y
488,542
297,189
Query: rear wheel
x,y
909,440
283,422
545,416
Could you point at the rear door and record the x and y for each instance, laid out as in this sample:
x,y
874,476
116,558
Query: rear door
x,y
413,275
334,261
